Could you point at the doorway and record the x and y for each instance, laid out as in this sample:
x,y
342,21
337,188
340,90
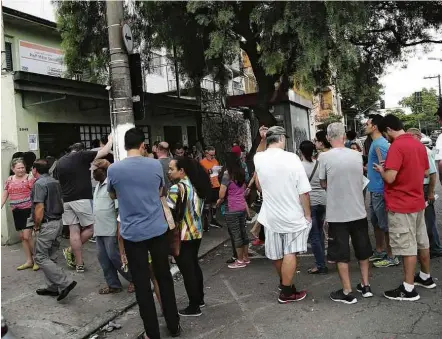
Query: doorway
x,y
191,136
173,135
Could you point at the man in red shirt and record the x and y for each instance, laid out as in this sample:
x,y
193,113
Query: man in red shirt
x,y
405,167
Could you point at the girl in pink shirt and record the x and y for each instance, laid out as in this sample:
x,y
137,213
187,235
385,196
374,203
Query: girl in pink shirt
x,y
18,189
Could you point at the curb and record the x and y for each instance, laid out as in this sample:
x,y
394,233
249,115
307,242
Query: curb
x,y
102,320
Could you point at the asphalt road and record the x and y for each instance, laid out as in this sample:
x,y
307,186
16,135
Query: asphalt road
x,y
243,303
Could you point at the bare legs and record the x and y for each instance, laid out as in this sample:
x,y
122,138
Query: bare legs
x,y
344,274
286,268
28,245
77,238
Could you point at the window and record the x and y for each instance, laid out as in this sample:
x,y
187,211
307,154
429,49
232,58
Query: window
x,y
155,64
8,57
146,131
89,133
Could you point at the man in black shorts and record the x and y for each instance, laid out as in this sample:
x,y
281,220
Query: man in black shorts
x,y
341,174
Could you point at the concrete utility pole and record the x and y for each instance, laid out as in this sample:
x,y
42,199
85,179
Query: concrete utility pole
x,y
120,96
438,78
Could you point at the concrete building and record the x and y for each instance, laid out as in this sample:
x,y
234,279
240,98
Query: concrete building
x,y
326,104
45,113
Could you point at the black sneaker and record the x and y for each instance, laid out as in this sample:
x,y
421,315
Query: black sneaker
x,y
429,283
177,333
365,291
341,297
190,312
202,304
401,293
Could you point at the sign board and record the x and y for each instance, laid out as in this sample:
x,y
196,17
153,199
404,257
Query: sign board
x,y
127,38
41,59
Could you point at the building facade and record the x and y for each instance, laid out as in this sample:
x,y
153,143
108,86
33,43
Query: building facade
x,y
45,113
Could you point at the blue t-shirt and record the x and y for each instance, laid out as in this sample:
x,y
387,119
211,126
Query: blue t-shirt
x,y
376,184
136,181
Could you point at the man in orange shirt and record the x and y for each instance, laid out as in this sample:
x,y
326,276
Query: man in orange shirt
x,y
213,168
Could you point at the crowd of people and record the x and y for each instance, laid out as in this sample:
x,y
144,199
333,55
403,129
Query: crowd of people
x,y
140,207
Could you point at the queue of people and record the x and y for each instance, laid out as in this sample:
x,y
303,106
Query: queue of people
x,y
140,203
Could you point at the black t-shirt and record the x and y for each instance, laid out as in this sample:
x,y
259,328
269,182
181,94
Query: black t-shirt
x,y
73,173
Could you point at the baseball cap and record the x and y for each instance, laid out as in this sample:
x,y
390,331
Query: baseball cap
x,y
100,163
276,130
236,150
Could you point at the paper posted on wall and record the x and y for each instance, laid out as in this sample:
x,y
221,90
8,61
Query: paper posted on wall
x,y
365,182
32,141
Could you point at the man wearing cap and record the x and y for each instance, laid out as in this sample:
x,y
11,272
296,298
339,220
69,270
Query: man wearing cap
x,y
285,212
105,231
430,212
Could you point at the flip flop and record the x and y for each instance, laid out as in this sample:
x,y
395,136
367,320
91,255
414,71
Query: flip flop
x,y
109,290
24,267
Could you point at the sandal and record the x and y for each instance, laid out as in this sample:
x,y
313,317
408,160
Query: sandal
x,y
24,267
131,288
109,290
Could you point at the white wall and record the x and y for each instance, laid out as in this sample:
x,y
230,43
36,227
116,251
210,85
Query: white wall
x,y
9,147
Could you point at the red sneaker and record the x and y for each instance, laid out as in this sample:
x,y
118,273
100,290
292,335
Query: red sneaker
x,y
257,242
295,296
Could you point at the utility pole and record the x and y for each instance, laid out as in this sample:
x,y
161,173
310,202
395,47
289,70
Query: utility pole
x,y
438,78
120,96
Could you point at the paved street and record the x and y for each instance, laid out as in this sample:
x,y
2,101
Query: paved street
x,y
243,303
83,311
240,303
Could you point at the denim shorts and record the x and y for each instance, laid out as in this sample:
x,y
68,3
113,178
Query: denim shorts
x,y
378,213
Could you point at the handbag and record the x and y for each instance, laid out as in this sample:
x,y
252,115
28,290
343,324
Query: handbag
x,y
314,170
174,232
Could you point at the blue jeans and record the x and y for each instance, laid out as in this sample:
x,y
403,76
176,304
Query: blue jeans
x,y
110,261
316,236
433,234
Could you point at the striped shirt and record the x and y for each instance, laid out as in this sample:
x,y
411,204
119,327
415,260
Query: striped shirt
x,y
19,191
191,226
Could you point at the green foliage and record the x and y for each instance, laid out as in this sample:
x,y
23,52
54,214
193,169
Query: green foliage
x,y
422,112
427,106
346,43
331,118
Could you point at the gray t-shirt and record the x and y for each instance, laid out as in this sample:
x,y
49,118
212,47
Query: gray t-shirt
x,y
317,194
343,170
165,163
47,190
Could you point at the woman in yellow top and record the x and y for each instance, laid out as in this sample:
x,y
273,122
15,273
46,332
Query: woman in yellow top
x,y
186,200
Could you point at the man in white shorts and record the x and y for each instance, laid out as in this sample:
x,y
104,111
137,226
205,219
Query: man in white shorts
x,y
73,173
285,212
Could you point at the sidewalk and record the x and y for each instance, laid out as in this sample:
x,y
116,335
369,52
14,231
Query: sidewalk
x,y
84,310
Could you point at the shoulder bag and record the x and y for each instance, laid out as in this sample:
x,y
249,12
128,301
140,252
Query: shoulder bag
x,y
314,170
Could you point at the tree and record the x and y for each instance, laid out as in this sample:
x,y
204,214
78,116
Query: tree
x,y
316,42
423,105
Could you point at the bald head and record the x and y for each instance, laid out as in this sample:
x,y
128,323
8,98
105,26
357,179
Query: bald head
x,y
163,149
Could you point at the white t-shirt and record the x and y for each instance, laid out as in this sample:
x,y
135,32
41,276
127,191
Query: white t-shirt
x,y
438,150
282,178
